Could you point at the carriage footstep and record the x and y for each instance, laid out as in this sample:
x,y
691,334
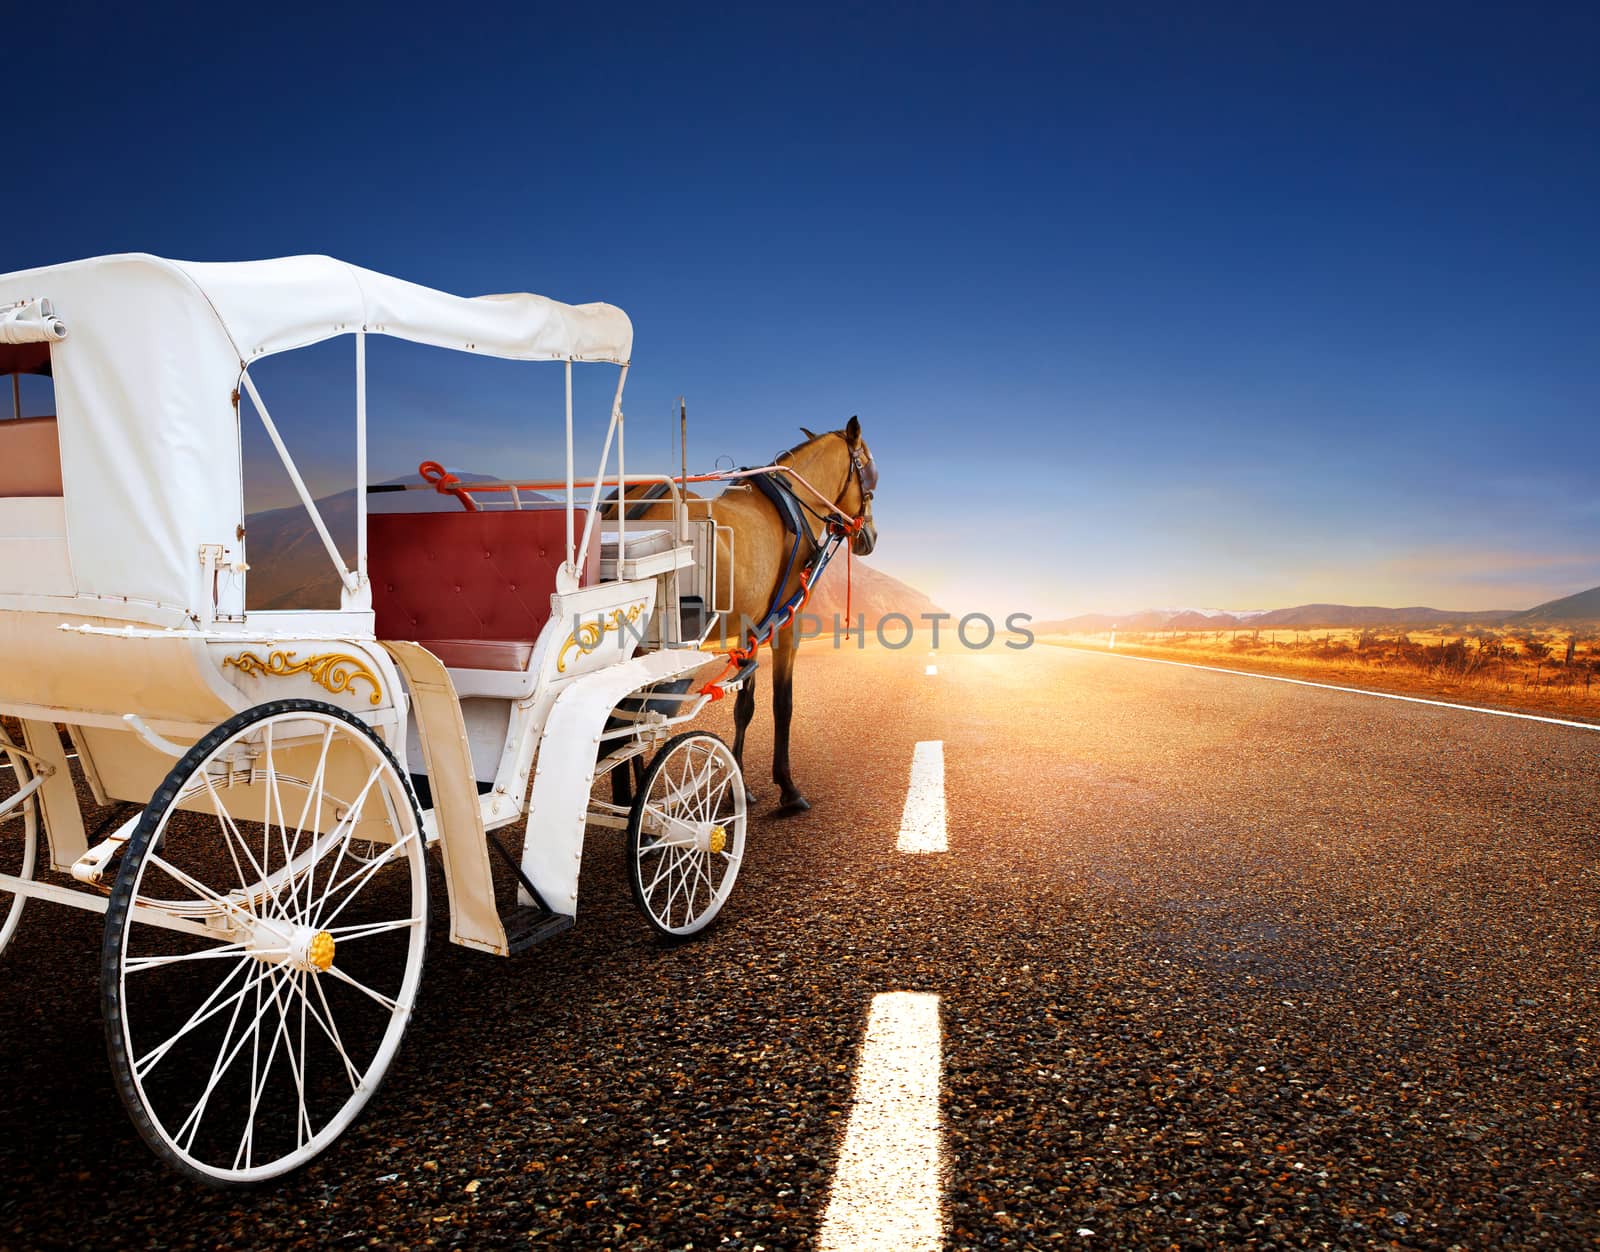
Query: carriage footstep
x,y
530,925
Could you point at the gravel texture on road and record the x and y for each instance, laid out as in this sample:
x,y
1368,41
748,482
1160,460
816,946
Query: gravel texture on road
x,y
1219,962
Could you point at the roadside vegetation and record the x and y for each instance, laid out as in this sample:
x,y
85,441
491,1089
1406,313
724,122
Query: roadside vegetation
x,y
1553,671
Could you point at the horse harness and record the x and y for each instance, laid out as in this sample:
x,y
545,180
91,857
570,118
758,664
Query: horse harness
x,y
837,530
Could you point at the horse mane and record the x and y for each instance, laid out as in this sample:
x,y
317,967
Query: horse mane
x,y
811,437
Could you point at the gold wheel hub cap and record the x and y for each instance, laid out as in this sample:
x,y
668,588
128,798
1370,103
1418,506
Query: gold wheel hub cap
x,y
719,840
320,951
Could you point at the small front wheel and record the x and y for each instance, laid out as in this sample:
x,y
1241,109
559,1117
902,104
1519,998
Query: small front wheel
x,y
686,834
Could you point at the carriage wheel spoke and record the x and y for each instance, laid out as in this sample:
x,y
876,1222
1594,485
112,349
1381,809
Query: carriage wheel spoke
x,y
663,820
341,835
681,879
225,1058
702,784
230,907
359,878
230,833
702,863
696,863
697,785
331,1029
212,1006
692,874
391,1005
713,804
678,794
344,934
671,865
258,1085
314,795
289,989
300,992
136,963
662,868
274,795
255,1067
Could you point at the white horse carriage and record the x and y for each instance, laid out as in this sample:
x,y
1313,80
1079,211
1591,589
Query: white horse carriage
x,y
267,901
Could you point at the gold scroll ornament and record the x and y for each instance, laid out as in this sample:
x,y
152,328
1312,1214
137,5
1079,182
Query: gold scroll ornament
x,y
335,672
589,634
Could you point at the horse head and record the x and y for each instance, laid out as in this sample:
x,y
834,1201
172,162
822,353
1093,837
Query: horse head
x,y
860,481
863,481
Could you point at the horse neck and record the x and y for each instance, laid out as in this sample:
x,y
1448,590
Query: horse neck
x,y
825,464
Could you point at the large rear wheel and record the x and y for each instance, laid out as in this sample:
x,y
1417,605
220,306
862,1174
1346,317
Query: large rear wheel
x,y
686,834
19,833
260,964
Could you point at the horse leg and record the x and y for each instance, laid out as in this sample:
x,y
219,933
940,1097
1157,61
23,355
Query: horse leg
x,y
783,654
744,708
627,781
621,792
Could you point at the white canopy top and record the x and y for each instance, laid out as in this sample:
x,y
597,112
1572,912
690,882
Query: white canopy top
x,y
269,306
146,370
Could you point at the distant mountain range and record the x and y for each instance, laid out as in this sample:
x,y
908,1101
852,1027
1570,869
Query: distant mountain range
x,y
1569,610
1582,609
289,567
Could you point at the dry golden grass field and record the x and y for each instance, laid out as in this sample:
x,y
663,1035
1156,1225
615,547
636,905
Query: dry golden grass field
x,y
1549,671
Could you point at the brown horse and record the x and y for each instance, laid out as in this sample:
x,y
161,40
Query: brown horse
x,y
839,465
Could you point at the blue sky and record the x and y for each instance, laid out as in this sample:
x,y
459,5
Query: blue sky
x,y
1241,308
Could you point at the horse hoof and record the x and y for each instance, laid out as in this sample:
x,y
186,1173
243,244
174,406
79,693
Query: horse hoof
x,y
792,806
749,796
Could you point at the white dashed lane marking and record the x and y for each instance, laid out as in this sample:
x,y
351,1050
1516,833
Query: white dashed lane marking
x,y
931,670
922,823
888,1188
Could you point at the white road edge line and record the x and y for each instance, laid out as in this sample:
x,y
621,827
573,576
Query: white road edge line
x,y
888,1187
1354,691
922,822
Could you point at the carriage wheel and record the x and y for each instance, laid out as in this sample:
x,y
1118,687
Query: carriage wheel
x,y
248,1030
686,834
19,837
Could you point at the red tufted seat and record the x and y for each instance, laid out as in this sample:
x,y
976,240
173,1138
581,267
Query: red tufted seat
x,y
472,588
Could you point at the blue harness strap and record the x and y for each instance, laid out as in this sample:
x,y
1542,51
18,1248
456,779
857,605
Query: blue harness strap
x,y
789,512
783,499
836,531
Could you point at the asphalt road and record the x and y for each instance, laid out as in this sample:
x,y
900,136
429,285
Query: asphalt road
x,y
1218,962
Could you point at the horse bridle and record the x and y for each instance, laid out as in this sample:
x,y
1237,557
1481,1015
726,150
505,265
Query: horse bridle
x,y
865,471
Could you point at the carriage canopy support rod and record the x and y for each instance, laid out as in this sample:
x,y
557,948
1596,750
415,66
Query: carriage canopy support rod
x,y
612,432
361,455
345,576
572,551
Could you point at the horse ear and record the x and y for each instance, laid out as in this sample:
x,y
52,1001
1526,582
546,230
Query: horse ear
x,y
808,433
852,431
